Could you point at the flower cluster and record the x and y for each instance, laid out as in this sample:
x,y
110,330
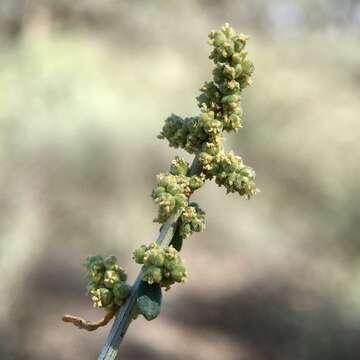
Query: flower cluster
x,y
229,171
231,75
220,107
190,133
192,219
107,282
172,193
162,266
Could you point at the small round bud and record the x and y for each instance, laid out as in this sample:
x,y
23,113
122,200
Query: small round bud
x,y
247,67
236,59
218,38
180,200
122,274
196,182
170,264
111,263
121,291
158,191
138,254
172,189
179,167
156,258
178,275
152,274
96,268
95,260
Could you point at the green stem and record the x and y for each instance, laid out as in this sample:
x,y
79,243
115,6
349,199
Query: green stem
x,y
126,312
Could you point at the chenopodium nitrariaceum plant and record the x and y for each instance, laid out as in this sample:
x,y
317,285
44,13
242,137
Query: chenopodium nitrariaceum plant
x,y
219,103
202,135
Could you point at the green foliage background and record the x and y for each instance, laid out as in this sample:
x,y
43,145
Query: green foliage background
x,y
84,90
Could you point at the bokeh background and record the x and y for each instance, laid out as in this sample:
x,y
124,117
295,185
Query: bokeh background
x,y
84,89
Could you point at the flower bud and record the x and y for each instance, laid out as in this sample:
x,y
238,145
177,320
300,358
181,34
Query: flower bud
x,y
180,200
218,38
172,189
179,166
122,274
196,182
170,264
247,67
111,278
230,99
155,257
96,268
111,263
158,191
178,273
138,254
152,274
236,59
121,291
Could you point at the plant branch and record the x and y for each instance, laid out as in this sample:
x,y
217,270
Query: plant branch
x,y
127,311
90,325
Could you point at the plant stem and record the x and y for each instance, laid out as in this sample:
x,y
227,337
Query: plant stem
x,y
90,325
126,312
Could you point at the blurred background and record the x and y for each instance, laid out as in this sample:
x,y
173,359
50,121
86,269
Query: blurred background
x,y
84,89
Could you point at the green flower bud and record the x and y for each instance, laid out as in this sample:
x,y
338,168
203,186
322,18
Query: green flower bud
x,y
240,42
179,274
122,274
96,268
111,263
170,263
229,72
192,219
155,257
90,287
94,261
247,67
158,191
173,189
210,148
230,99
163,180
121,291
179,166
152,274
218,38
166,205
196,182
236,59
138,254
205,158
233,122
185,229
228,31
180,200
95,276
238,71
